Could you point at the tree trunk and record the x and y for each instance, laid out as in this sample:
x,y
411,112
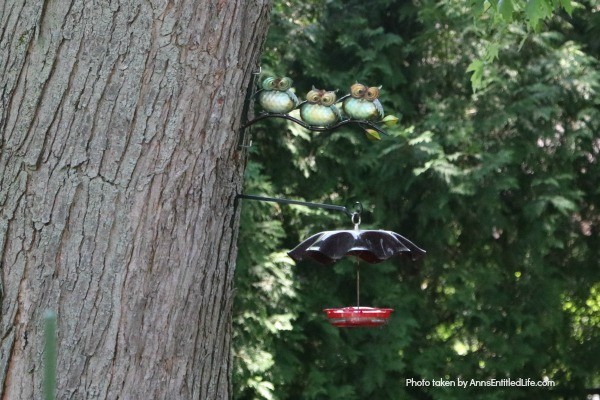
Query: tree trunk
x,y
119,168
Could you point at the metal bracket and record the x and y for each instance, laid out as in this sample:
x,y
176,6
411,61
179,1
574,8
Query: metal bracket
x,y
245,141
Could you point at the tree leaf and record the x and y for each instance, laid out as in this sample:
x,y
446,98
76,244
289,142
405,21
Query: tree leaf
x,y
537,10
491,51
506,9
562,204
476,67
567,5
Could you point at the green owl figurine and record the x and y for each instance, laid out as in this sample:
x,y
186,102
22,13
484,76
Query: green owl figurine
x,y
363,103
276,96
319,109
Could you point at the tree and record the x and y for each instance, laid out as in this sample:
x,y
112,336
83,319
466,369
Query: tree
x,y
119,169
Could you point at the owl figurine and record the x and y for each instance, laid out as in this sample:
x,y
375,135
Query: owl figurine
x,y
363,103
320,109
276,96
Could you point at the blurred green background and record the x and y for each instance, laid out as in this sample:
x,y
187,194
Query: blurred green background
x,y
493,169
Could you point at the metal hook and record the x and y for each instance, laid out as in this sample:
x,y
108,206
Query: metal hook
x,y
356,220
355,216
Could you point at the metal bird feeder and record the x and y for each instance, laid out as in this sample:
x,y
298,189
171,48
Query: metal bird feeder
x,y
371,246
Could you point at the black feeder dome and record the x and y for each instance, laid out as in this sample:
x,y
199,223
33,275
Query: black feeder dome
x,y
371,246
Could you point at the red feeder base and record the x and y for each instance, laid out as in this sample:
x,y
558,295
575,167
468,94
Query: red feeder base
x,y
354,317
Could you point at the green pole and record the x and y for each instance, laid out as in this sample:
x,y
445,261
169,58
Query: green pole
x,y
49,355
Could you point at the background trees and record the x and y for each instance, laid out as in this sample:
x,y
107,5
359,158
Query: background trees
x,y
498,185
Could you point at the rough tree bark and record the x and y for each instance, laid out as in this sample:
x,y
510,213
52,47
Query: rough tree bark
x,y
119,168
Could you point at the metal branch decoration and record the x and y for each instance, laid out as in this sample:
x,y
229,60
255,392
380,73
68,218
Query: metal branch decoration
x,y
322,110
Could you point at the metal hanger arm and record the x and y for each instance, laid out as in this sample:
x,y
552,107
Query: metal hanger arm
x,y
300,203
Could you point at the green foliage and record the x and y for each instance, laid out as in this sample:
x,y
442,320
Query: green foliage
x,y
497,23
532,12
499,186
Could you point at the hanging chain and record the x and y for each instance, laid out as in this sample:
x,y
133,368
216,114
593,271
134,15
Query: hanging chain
x,y
357,284
358,209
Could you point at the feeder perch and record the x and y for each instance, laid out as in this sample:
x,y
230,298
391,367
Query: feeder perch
x,y
356,317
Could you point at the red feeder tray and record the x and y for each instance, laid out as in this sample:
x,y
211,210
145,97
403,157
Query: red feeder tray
x,y
355,317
